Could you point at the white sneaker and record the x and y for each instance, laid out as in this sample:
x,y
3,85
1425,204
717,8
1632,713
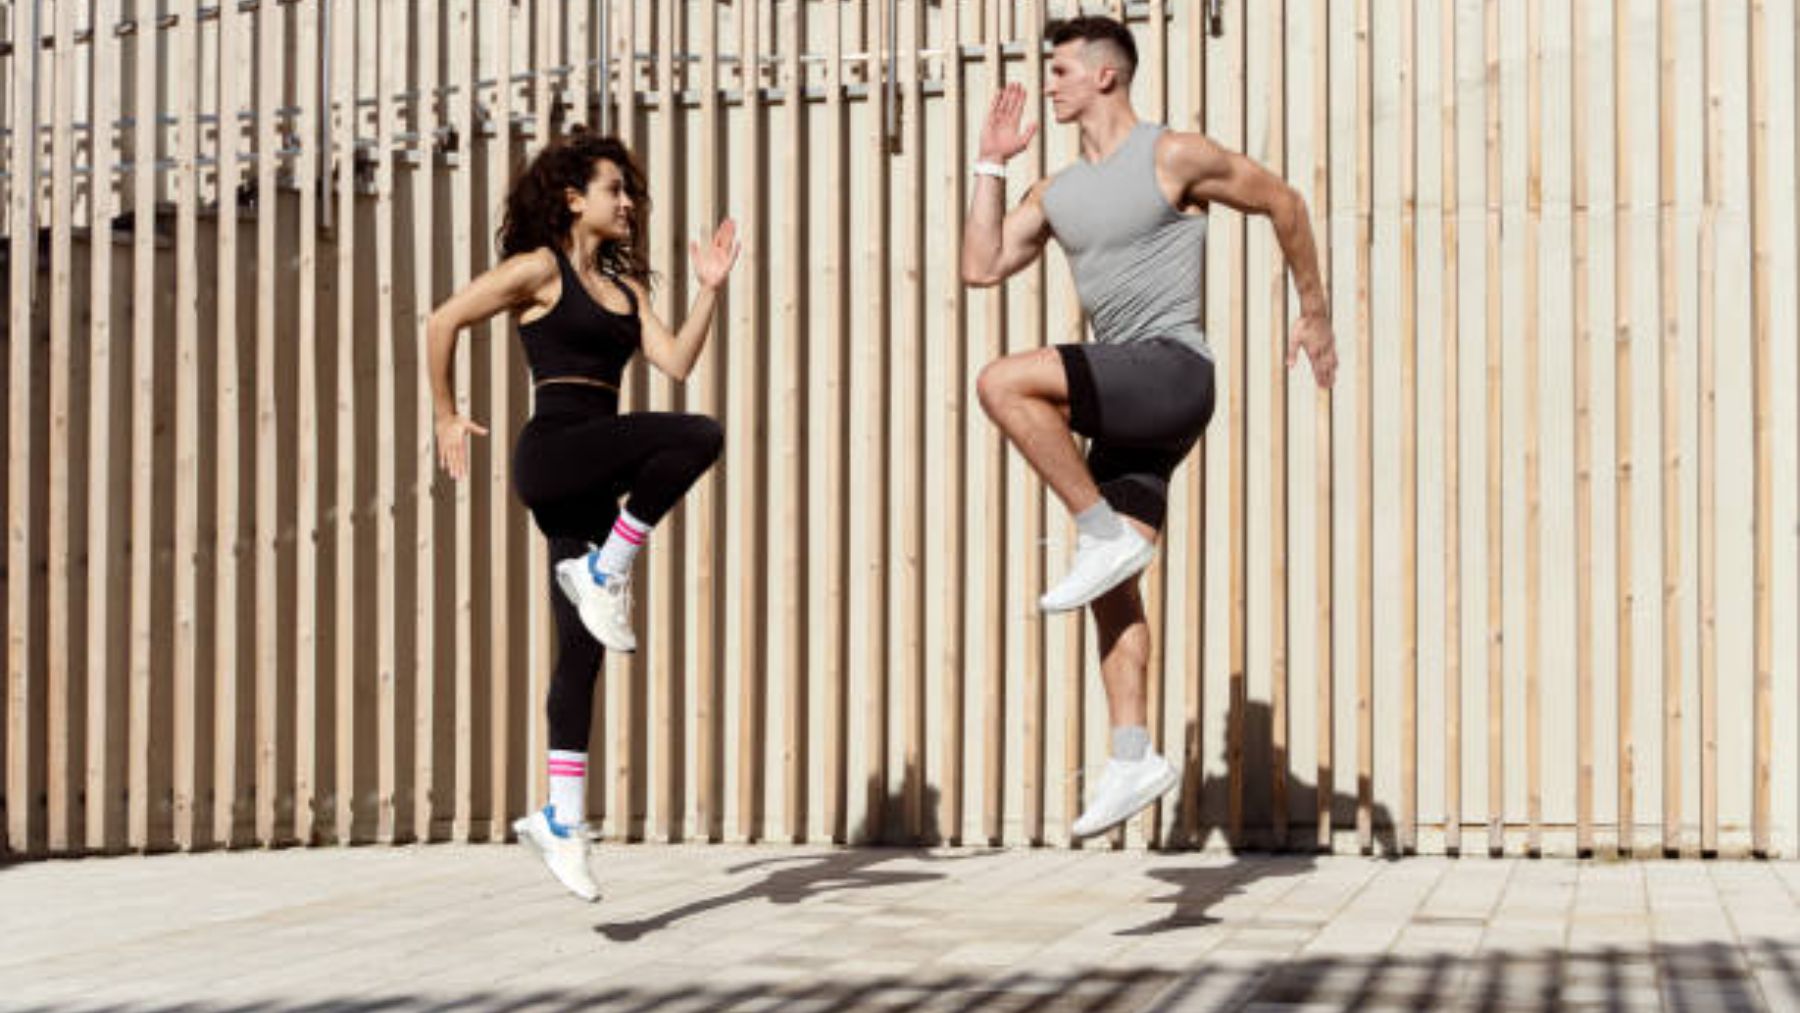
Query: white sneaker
x,y
563,849
1126,786
1100,565
604,601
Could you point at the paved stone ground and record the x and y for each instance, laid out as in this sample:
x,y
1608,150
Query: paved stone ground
x,y
723,927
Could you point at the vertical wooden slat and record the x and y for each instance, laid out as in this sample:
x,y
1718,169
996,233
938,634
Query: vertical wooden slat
x,y
791,437
835,274
577,56
1708,458
1668,304
1534,208
500,519
391,59
1409,426
539,636
665,248
1236,382
185,97
1074,704
309,120
1365,435
1194,569
1496,676
425,574
1622,416
1031,493
462,68
1194,576
993,618
1156,576
666,668
232,64
1762,624
1582,350
1452,344
956,329
702,502
666,251
542,29
143,421
909,40
103,701
746,402
58,766
616,670
1323,439
270,69
343,86
22,216
872,370
1278,519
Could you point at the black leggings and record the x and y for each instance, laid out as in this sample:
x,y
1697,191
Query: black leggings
x,y
574,460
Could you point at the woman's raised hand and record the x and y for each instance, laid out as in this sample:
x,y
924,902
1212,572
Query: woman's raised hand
x,y
712,262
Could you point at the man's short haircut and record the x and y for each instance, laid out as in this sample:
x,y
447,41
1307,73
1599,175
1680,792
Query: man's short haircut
x,y
1104,30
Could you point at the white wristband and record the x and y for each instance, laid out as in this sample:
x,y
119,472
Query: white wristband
x,y
994,169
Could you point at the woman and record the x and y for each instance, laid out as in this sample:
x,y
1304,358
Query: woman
x,y
575,275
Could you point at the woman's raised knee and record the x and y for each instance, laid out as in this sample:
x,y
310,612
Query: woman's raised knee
x,y
709,437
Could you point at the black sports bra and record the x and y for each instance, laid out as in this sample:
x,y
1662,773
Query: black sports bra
x,y
579,339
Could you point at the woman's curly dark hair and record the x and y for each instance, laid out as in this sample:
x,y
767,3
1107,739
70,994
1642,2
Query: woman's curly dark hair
x,y
537,206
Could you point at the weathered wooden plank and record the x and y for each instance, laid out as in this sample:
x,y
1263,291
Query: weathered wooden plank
x,y
1365,434
105,704
428,118
1623,422
1496,759
954,315
184,97
1533,437
59,717
1452,344
234,61
1669,349
1582,350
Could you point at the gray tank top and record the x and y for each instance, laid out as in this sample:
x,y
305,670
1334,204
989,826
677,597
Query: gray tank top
x,y
1139,263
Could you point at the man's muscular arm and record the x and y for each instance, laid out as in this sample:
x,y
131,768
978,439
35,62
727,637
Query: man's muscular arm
x,y
995,247
997,244
1205,172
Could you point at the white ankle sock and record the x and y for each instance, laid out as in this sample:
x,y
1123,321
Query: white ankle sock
x,y
1099,521
568,787
628,536
1130,742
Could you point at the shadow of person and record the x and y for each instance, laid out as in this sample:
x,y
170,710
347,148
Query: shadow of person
x,y
788,880
792,879
1195,889
1257,829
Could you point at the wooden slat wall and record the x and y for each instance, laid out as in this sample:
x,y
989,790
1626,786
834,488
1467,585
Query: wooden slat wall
x,y
840,639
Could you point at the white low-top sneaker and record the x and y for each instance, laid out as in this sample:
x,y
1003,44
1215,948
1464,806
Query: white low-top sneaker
x,y
563,849
1125,788
604,601
1100,564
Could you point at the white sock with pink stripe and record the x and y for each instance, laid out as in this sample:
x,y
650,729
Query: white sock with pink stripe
x,y
568,787
628,536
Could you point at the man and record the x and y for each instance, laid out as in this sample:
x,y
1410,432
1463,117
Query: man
x,y
1131,216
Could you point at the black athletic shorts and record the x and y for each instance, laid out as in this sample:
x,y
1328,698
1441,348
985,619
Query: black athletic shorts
x,y
1143,405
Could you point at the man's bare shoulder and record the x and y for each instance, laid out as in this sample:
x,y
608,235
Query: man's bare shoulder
x,y
1189,150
